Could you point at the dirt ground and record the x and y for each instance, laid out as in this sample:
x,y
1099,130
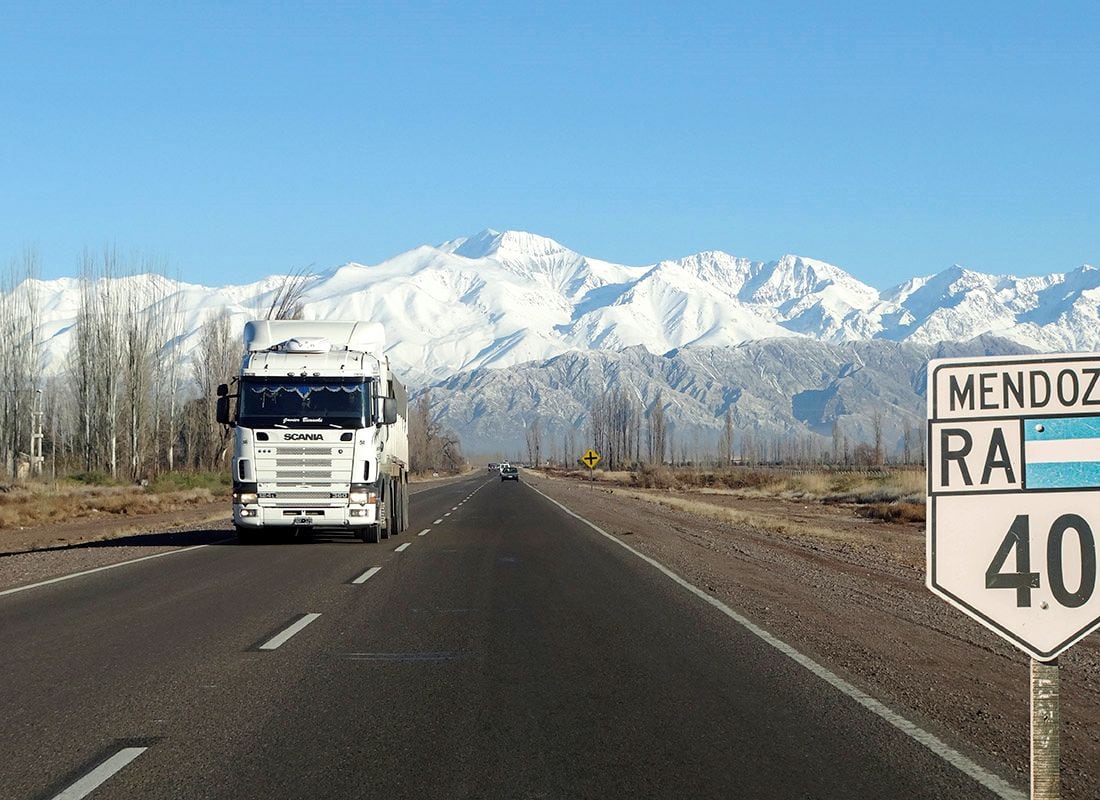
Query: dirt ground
x,y
107,526
849,592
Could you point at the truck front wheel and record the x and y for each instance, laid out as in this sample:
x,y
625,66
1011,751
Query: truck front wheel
x,y
369,534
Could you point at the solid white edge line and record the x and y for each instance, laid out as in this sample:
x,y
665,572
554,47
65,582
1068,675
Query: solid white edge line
x,y
989,780
99,569
438,521
366,576
101,774
401,547
424,532
281,638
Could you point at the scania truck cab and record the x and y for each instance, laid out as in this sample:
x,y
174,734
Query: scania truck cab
x,y
320,432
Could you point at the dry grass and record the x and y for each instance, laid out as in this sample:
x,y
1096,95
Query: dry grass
x,y
901,485
772,523
46,503
892,495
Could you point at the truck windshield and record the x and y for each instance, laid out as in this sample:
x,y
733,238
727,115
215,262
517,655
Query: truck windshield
x,y
304,403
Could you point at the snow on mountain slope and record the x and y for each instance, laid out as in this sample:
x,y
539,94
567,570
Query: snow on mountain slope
x,y
496,299
1049,313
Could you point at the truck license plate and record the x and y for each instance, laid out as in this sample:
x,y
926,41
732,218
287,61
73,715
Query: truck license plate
x,y
303,520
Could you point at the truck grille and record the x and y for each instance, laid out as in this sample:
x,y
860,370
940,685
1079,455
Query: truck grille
x,y
303,462
313,474
321,450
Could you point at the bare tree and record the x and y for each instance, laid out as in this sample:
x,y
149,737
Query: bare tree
x,y
658,429
288,302
166,327
431,445
533,434
20,358
726,443
876,426
100,353
217,360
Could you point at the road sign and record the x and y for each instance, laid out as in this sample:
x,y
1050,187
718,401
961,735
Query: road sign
x,y
590,458
1014,495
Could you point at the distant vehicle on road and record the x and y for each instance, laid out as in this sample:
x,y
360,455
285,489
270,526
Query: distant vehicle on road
x,y
321,435
509,473
492,466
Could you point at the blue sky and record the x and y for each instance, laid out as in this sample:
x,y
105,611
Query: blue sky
x,y
236,140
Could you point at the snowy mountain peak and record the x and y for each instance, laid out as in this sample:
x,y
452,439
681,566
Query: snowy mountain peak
x,y
490,244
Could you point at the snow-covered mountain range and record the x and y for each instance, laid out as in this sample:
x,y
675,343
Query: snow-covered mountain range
x,y
506,327
501,299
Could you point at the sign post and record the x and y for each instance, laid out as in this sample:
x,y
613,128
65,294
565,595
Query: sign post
x,y
1046,723
1013,510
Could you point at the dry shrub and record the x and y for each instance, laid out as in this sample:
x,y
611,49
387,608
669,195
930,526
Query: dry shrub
x,y
650,477
894,512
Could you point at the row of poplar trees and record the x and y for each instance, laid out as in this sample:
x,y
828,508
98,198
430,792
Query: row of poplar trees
x,y
124,403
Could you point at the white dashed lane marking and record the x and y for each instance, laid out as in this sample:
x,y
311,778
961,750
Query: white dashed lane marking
x,y
366,576
283,636
100,775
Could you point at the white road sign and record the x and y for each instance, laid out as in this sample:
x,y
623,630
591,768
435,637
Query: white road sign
x,y
1014,495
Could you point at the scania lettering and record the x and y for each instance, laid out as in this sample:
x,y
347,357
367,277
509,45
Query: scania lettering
x,y
320,435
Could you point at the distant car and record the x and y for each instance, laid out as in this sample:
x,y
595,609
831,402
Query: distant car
x,y
509,473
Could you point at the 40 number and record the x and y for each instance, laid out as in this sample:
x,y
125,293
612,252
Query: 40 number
x,y
1023,580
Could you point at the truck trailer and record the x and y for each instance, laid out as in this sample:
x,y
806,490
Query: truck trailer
x,y
320,432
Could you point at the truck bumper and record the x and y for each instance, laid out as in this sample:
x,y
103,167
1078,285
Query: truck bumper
x,y
344,517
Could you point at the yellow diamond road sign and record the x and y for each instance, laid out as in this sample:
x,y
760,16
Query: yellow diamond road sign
x,y
590,458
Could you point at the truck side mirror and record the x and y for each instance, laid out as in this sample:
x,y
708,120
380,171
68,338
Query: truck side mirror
x,y
223,390
221,411
389,411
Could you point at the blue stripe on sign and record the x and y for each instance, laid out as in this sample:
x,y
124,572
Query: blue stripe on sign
x,y
1064,475
1061,428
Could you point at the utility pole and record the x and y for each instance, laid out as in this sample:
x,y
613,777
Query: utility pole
x,y
37,436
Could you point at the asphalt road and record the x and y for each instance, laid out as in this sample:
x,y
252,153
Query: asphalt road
x,y
510,652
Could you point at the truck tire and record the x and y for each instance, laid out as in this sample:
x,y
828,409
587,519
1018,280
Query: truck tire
x,y
395,508
405,502
369,534
387,503
247,536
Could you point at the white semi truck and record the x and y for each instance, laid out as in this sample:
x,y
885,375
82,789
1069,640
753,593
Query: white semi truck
x,y
321,437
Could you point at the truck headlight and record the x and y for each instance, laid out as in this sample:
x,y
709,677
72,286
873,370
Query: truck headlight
x,y
360,493
245,498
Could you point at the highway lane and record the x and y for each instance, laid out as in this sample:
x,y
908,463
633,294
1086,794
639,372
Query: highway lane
x,y
119,654
508,652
